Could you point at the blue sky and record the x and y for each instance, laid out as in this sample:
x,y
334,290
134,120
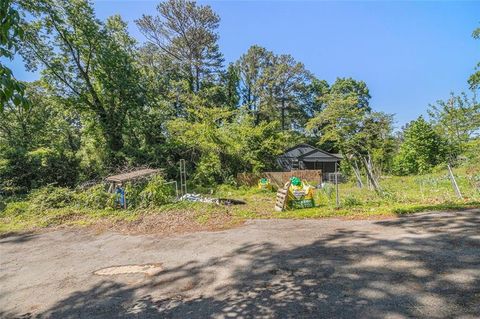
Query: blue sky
x,y
410,54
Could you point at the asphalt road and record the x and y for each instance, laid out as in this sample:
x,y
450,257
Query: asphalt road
x,y
422,266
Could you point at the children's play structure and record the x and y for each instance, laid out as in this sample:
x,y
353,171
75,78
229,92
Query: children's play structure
x,y
295,194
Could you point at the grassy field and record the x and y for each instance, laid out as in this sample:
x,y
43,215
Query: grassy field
x,y
403,195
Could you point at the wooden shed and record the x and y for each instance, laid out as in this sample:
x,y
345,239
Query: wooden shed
x,y
307,157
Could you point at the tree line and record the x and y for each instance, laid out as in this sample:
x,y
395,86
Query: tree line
x,y
104,102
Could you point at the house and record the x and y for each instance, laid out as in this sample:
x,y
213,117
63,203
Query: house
x,y
307,157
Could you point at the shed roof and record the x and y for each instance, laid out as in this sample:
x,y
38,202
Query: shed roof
x,y
308,153
132,175
298,150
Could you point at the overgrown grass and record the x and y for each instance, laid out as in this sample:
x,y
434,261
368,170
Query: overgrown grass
x,y
401,195
52,207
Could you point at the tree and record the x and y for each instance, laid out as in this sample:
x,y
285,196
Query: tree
x,y
88,59
363,137
252,67
378,142
457,120
230,82
38,143
187,34
319,89
474,79
421,150
11,33
274,87
288,82
349,87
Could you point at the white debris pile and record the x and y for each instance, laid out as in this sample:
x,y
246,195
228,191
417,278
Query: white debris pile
x,y
198,198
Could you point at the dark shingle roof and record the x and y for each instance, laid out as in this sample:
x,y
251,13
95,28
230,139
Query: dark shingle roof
x,y
309,153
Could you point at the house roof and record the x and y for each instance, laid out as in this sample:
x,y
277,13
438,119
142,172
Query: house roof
x,y
308,153
298,150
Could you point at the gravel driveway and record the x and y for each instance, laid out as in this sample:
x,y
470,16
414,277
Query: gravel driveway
x,y
424,265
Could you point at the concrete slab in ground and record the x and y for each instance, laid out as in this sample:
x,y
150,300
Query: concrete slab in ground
x,y
426,265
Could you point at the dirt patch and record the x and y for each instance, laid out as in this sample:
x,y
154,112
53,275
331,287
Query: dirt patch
x,y
170,223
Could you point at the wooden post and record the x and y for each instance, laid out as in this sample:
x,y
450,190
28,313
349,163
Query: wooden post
x,y
454,182
337,199
356,171
183,177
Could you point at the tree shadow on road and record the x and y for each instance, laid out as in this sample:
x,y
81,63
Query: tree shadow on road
x,y
17,238
430,271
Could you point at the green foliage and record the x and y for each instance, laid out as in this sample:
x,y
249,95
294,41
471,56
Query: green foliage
x,y
348,87
328,189
155,193
457,120
351,201
95,197
88,60
149,193
187,34
51,197
472,152
104,103
474,79
275,87
421,150
21,171
15,209
11,90
363,137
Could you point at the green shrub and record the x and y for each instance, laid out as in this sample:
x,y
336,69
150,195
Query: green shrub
x,y
39,167
51,197
15,209
155,193
132,193
3,204
351,201
95,197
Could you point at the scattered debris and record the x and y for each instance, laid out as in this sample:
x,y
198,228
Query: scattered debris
x,y
199,198
230,201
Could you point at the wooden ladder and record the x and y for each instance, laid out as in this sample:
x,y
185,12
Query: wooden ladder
x,y
281,200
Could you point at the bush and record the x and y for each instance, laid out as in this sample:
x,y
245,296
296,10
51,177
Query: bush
x,y
51,197
15,209
3,204
132,193
421,150
95,197
150,193
155,193
21,171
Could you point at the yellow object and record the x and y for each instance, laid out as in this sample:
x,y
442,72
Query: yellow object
x,y
264,183
300,195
